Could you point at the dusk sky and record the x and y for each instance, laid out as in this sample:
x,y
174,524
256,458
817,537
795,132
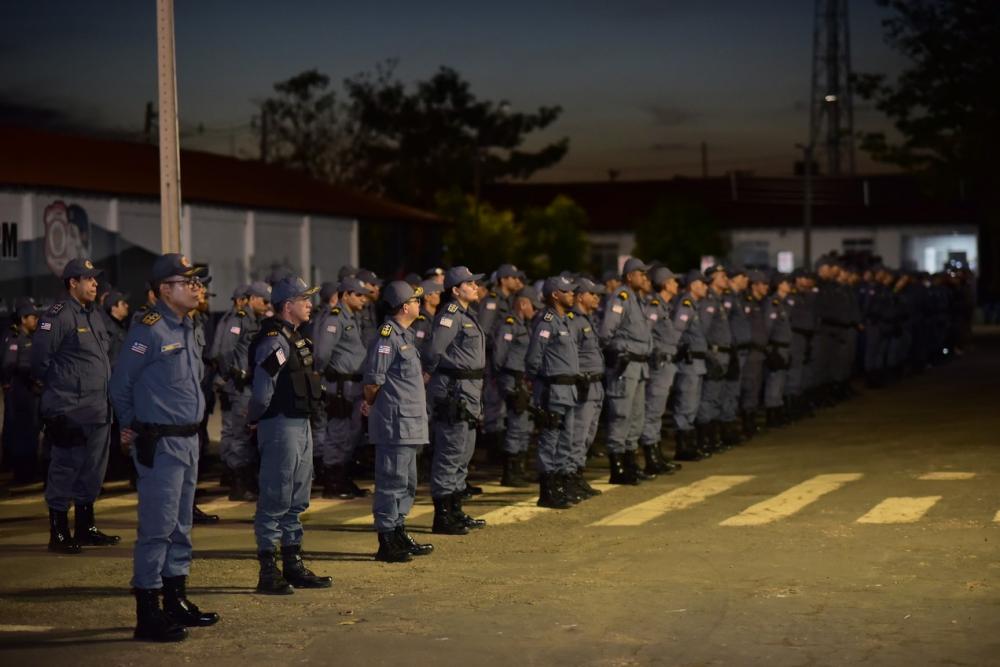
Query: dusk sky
x,y
642,83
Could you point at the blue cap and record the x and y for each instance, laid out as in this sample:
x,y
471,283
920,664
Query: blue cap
x,y
693,275
259,288
457,275
757,277
173,264
80,268
240,291
509,271
432,287
434,271
346,270
291,287
588,285
399,292
326,290
354,285
634,264
557,284
369,277
531,294
715,268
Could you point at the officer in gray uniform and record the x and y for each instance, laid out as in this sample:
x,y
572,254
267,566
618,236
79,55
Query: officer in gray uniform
x,y
753,371
734,303
662,367
21,426
286,391
493,311
423,326
314,329
369,316
509,350
115,312
802,318
831,328
237,446
397,422
590,387
779,343
341,351
691,350
70,368
456,362
878,306
715,319
624,331
157,396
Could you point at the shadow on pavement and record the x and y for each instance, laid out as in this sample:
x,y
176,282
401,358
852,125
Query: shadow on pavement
x,y
62,638
309,555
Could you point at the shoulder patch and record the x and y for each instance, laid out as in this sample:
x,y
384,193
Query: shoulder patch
x,y
509,320
56,307
570,315
547,317
688,303
241,313
421,318
386,330
151,318
452,307
623,295
335,310
654,302
272,333
775,301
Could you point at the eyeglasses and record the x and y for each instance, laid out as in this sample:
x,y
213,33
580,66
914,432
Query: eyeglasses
x,y
193,283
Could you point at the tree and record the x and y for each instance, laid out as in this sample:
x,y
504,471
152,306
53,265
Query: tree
x,y
678,232
300,127
482,237
946,102
555,238
412,145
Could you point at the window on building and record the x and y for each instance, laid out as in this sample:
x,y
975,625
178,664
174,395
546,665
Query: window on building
x,y
604,256
858,246
755,253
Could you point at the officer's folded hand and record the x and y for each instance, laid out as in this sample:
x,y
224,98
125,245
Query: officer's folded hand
x,y
427,377
127,437
366,408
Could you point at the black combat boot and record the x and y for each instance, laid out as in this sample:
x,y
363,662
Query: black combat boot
x,y
619,473
730,433
470,491
632,467
240,488
571,488
295,571
719,443
151,623
550,493
773,418
670,465
415,548
512,472
391,549
60,539
749,424
86,533
335,483
456,508
701,440
687,448
201,518
652,460
270,581
179,609
445,521
584,485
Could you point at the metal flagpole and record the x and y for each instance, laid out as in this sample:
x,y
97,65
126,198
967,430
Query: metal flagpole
x,y
170,168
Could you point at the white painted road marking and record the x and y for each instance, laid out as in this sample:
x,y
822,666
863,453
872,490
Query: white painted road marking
x,y
900,510
677,499
789,502
25,628
516,513
938,476
996,519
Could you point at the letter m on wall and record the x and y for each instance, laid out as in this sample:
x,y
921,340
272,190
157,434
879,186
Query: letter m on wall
x,y
8,240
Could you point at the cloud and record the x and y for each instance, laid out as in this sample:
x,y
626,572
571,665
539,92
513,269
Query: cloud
x,y
23,110
671,116
671,146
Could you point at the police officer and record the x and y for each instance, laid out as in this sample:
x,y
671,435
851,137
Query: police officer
x,y
397,422
662,367
715,319
625,333
877,304
509,350
423,326
691,350
831,327
369,316
494,310
778,350
237,446
554,367
157,395
314,330
802,318
590,387
69,364
341,353
752,379
21,427
115,312
734,303
141,311
285,392
456,362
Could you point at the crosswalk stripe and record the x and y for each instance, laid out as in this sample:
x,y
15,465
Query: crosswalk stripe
x,y
23,500
516,513
676,499
117,502
791,501
996,519
26,628
939,476
900,510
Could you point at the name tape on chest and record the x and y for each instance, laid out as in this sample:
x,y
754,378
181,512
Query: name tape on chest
x,y
170,347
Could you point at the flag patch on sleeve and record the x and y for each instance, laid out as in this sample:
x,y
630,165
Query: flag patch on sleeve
x,y
234,330
138,348
384,349
544,333
45,326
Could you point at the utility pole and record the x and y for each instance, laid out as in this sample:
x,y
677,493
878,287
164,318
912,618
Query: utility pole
x,y
704,159
807,199
170,167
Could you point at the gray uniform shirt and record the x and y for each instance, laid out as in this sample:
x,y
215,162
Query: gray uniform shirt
x,y
588,345
399,414
552,353
692,334
624,327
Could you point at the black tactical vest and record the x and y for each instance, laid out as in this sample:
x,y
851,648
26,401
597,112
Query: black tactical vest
x,y
297,388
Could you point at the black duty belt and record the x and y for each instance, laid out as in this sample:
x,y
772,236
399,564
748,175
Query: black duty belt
x,y
631,356
808,333
758,347
343,377
517,375
463,374
167,430
593,377
697,355
720,348
780,345
835,323
561,379
664,357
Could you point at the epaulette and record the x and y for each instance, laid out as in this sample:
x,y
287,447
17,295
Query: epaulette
x,y
421,318
272,333
509,320
654,302
548,317
335,310
386,330
623,295
241,313
687,302
452,308
493,295
570,315
56,307
775,301
151,318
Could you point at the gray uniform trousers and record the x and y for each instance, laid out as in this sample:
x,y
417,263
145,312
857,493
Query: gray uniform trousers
x,y
687,390
795,375
395,485
76,473
343,436
875,348
774,383
555,445
236,447
519,426
661,381
166,501
843,362
752,381
586,418
729,404
494,408
454,443
285,480
825,344
626,400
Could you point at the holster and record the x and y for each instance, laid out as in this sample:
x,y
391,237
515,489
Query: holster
x,y
616,362
519,399
337,406
61,432
715,371
733,371
582,389
224,401
145,446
